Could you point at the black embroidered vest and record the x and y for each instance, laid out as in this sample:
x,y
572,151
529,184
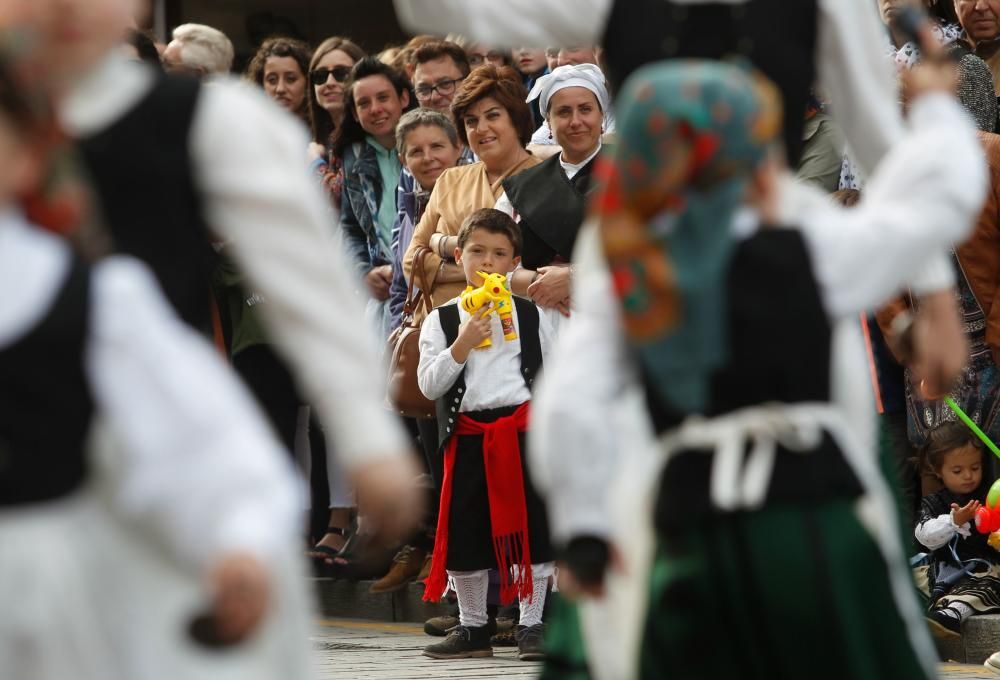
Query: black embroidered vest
x,y
531,359
779,351
142,172
45,401
778,36
551,207
779,337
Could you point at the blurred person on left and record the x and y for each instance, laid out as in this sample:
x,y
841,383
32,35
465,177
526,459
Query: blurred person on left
x,y
238,178
131,452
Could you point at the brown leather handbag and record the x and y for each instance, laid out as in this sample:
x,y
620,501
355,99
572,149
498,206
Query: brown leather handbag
x,y
403,395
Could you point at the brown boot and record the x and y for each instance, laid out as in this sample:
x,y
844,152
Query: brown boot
x,y
425,571
406,565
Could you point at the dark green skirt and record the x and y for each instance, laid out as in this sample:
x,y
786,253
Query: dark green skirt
x,y
785,592
566,657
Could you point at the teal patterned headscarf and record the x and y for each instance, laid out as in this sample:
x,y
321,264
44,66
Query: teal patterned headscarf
x,y
690,135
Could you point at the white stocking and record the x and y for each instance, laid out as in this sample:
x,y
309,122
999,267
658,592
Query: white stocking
x,y
471,588
531,611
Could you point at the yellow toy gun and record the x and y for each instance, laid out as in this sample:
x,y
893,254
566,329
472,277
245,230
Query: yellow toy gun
x,y
496,290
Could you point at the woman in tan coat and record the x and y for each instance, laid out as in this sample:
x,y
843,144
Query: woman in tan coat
x,y
495,122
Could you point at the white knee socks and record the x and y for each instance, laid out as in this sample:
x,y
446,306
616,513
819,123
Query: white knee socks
x,y
471,588
531,610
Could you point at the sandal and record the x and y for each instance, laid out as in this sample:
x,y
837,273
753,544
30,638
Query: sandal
x,y
323,556
363,557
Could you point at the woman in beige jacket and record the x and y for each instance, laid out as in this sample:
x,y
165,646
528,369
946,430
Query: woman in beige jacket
x,y
495,122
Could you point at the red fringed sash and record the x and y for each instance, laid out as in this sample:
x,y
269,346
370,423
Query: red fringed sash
x,y
508,507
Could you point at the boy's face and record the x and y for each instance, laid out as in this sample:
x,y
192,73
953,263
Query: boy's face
x,y
486,252
76,34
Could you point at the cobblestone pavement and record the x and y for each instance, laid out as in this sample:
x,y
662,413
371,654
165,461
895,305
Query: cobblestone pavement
x,y
954,671
348,649
368,650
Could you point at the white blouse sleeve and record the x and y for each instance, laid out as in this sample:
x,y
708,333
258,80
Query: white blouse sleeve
x,y
259,195
509,23
573,442
858,79
923,198
437,370
936,532
193,457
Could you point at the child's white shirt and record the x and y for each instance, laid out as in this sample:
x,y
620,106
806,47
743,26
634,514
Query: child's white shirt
x,y
492,375
937,531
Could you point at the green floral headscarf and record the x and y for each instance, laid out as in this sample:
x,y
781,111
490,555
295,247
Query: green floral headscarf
x,y
690,135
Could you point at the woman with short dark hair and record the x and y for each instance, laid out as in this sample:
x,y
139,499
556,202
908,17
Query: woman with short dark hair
x,y
494,121
377,96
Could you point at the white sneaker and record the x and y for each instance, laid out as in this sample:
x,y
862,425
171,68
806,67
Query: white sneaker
x,y
993,663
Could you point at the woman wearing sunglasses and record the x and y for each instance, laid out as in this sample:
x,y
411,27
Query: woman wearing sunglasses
x,y
328,71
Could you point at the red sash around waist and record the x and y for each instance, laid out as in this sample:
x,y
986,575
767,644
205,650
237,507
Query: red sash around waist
x,y
508,507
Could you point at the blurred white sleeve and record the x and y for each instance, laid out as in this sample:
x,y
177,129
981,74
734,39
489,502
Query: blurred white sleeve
x,y
574,443
858,78
259,195
536,23
924,198
195,461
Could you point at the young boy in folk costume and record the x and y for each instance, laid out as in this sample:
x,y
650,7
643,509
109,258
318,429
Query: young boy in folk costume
x,y
727,297
490,516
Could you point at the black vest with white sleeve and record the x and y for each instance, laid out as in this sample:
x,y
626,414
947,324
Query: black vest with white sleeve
x,y
46,405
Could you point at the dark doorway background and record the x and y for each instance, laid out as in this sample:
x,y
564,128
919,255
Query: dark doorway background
x,y
370,23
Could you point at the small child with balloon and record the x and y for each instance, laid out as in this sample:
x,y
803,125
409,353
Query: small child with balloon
x,y
963,574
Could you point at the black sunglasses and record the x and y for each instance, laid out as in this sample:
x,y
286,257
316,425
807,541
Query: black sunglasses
x,y
320,75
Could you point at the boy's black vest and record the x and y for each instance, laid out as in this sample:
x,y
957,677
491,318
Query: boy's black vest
x,y
142,172
552,207
778,36
45,401
531,359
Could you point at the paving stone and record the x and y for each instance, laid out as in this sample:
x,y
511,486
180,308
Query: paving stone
x,y
346,649
369,650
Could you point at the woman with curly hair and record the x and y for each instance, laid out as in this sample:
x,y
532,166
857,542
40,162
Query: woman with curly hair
x,y
280,67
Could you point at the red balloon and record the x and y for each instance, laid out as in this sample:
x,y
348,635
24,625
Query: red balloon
x,y
987,520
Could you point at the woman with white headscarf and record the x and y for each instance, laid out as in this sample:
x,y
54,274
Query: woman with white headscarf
x,y
549,199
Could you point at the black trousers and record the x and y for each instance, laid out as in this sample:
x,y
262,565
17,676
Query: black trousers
x,y
272,385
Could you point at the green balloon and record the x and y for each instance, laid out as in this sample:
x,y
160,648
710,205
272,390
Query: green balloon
x,y
993,497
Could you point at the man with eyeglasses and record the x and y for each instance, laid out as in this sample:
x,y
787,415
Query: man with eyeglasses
x,y
441,66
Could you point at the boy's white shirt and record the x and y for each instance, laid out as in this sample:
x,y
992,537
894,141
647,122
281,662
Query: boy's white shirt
x,y
189,444
250,170
493,376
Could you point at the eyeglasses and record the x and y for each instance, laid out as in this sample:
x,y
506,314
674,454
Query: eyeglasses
x,y
321,75
443,88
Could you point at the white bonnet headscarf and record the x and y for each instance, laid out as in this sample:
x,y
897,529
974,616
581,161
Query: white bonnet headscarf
x,y
582,75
